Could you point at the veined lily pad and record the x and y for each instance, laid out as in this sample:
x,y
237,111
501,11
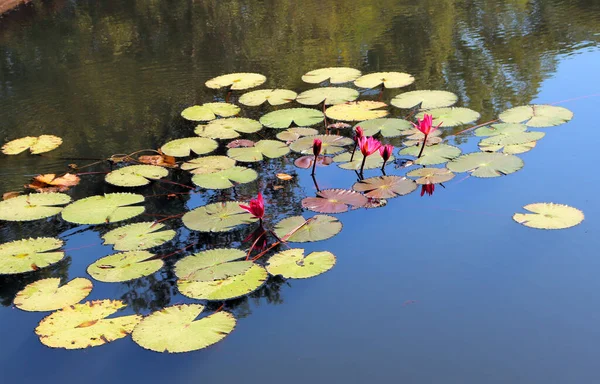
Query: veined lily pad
x,y
335,75
434,154
334,201
512,139
236,81
136,175
208,164
451,117
175,329
124,266
292,263
29,255
210,111
537,115
357,111
485,164
330,144
264,148
225,179
389,127
47,294
428,99
186,146
293,134
33,206
388,79
36,145
285,117
85,325
500,129
385,187
329,95
319,227
431,175
513,149
104,209
217,217
375,161
225,289
272,96
228,128
213,264
416,138
138,236
549,216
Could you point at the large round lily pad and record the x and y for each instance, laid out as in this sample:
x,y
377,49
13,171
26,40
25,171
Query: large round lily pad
x,y
210,111
388,127
229,128
427,99
335,75
29,255
451,117
486,164
136,175
33,206
385,187
236,81
357,111
293,134
297,229
500,129
138,236
292,263
329,95
36,145
334,201
186,146
175,329
512,139
375,161
388,79
416,137
431,175
511,149
264,148
124,266
208,164
434,154
104,209
549,216
217,217
537,115
213,264
47,294
285,117
330,144
225,179
272,96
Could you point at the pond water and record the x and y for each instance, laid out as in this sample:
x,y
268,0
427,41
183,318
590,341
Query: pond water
x,y
446,288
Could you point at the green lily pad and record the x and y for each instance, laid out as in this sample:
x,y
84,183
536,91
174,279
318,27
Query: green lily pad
x,y
33,206
513,149
319,227
124,266
485,164
357,111
175,329
264,148
431,175
228,128
85,325
375,161
293,134
388,79
428,99
537,115
335,75
451,117
29,255
217,217
292,264
417,137
549,216
385,187
334,201
285,117
389,127
272,96
209,111
500,129
225,179
138,236
512,139
208,164
36,145
236,81
186,146
136,175
329,95
213,264
104,209
47,294
330,144
434,154
225,289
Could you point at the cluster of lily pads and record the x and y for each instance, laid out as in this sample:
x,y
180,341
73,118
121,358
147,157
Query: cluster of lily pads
x,y
305,132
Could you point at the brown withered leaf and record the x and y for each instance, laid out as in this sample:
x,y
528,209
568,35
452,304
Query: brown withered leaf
x,y
10,195
240,143
49,182
160,160
284,176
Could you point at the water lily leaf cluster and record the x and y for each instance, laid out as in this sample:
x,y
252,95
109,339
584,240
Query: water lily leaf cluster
x,y
35,145
210,111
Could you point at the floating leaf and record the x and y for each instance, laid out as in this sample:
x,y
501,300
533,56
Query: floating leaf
x,y
334,201
426,98
47,294
549,216
208,164
284,176
335,75
285,117
33,206
306,162
319,227
36,145
209,111
136,175
431,175
213,264
435,154
240,143
10,195
293,134
500,129
537,115
292,264
29,255
509,149
264,148
160,160
330,144
138,236
357,111
329,95
228,128
512,139
385,187
236,81
272,96
451,117
184,147
109,208
225,179
175,329
484,164
51,183
390,127
85,325
388,79
124,266
375,161
217,217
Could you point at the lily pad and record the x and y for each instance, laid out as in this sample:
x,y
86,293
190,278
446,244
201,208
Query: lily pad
x,y
357,111
306,162
375,161
416,137
335,75
36,145
236,81
512,139
47,294
186,146
500,129
264,148
385,187
334,201
138,236
319,227
388,79
435,154
330,144
293,134
29,255
549,216
513,149
537,115
217,217
213,264
136,175
285,117
175,329
272,96
85,325
292,264
389,127
209,111
426,98
104,209
229,128
33,206
431,175
208,164
329,95
451,117
486,164
124,266
225,179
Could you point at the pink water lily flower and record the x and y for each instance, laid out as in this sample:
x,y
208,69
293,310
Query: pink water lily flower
x,y
256,207
425,125
386,152
368,145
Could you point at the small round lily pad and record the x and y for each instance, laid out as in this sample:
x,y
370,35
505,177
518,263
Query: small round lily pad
x,y
261,149
236,81
34,206
511,149
549,216
293,134
431,175
292,263
329,95
357,111
209,111
136,175
124,266
186,146
451,117
330,144
208,164
229,128
47,294
385,187
138,236
388,79
512,139
427,99
334,201
434,154
297,229
29,255
388,127
271,96
213,264
217,217
335,75
104,209
35,145
537,115
225,179
486,164
302,117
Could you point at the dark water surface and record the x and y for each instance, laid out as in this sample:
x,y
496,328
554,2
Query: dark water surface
x,y
446,289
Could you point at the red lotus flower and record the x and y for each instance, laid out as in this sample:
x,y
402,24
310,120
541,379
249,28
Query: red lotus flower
x,y
256,207
317,146
386,152
368,145
427,189
358,133
425,125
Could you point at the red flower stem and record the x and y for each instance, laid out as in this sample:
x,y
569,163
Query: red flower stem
x,y
314,165
362,166
423,147
383,166
255,242
473,127
91,173
174,183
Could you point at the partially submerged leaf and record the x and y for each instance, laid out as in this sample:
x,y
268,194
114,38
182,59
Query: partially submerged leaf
x,y
297,229
124,266
51,183
500,129
335,75
160,160
357,111
33,206
225,179
272,96
388,127
388,79
293,134
136,175
537,115
208,164
138,236
330,144
334,201
306,162
485,164
213,264
209,111
293,264
451,117
29,255
186,146
240,143
217,217
103,209
425,98
435,154
385,187
329,95
36,145
302,117
229,128
549,216
264,148
47,294
431,175
236,81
